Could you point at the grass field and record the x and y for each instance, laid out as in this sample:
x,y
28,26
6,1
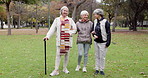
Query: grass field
x,y
22,56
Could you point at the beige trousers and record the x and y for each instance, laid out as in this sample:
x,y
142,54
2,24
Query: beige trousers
x,y
58,59
100,53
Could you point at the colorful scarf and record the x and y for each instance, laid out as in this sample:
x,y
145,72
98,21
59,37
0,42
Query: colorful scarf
x,y
64,37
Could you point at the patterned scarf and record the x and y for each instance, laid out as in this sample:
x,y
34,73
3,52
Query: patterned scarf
x,y
64,36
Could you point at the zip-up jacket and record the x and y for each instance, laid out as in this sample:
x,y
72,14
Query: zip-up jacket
x,y
102,30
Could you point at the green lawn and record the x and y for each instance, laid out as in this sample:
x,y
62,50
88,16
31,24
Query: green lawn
x,y
22,56
127,28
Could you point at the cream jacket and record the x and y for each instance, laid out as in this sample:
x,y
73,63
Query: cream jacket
x,y
55,27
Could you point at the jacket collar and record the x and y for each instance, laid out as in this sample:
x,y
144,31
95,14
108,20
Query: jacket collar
x,y
83,21
100,19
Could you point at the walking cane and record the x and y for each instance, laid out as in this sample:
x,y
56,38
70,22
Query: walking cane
x,y
45,54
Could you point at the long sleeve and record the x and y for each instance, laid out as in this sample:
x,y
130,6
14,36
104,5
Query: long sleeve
x,y
52,29
92,29
74,28
107,26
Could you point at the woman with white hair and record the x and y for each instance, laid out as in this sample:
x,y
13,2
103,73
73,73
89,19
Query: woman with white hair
x,y
64,28
84,40
102,39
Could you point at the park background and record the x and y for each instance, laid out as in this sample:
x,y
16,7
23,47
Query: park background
x,y
24,23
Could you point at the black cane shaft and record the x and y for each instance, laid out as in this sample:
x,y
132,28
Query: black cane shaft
x,y
45,55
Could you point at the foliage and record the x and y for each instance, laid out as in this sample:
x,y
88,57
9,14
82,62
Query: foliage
x,y
2,13
133,10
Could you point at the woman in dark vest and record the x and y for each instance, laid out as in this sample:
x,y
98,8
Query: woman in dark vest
x,y
102,39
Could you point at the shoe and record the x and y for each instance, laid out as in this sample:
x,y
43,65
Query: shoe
x,y
54,73
77,68
66,71
96,72
102,73
84,69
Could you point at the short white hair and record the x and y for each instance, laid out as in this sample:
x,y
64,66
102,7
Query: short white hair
x,y
63,8
98,12
84,12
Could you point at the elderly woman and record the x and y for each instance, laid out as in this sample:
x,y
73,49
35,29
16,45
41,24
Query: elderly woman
x,y
84,40
102,39
64,28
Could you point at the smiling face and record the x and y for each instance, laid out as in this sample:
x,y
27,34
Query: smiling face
x,y
97,16
84,16
65,12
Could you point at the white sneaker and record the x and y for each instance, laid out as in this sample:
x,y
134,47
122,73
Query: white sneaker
x,y
77,68
54,73
84,69
66,71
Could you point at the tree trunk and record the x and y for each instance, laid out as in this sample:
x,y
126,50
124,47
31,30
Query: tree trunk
x,y
135,25
91,11
19,21
74,13
126,22
26,24
31,23
48,14
42,24
8,18
142,24
36,24
2,25
135,22
115,19
78,3
12,21
36,27
109,16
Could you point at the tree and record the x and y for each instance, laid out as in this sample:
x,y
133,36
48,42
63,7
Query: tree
x,y
75,5
2,16
18,8
133,10
137,6
111,7
90,6
7,4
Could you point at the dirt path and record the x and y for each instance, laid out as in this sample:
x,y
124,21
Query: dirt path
x,y
43,31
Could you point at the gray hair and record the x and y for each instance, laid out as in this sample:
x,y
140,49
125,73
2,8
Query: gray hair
x,y
84,12
63,8
98,12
